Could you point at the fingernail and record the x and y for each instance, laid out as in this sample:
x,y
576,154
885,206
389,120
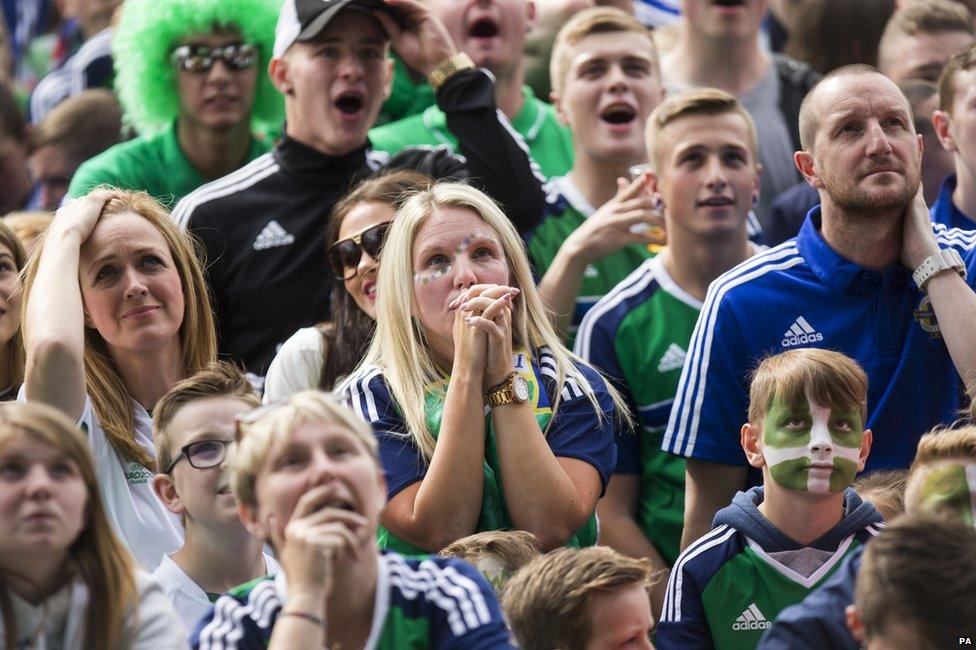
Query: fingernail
x,y
468,319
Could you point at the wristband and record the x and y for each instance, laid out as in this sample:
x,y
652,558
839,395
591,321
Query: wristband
x,y
308,616
947,259
447,68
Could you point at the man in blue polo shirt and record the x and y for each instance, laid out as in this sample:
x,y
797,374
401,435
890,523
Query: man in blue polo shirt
x,y
845,283
955,124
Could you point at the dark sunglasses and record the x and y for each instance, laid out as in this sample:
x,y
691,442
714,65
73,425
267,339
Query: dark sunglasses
x,y
200,58
344,255
202,454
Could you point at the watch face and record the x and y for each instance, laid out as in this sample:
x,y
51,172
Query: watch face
x,y
521,388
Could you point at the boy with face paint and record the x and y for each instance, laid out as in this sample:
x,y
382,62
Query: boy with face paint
x,y
941,481
776,543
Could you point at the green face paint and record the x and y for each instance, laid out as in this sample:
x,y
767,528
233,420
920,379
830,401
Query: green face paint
x,y
812,448
951,489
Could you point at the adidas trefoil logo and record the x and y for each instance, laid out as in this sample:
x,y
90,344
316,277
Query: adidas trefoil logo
x,y
800,333
674,358
751,619
273,235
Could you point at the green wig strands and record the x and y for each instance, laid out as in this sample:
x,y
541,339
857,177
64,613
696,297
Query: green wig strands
x,y
145,80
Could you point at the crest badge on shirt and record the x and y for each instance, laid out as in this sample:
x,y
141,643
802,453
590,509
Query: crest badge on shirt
x,y
925,316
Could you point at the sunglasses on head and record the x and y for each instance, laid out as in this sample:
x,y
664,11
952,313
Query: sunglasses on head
x,y
344,255
200,58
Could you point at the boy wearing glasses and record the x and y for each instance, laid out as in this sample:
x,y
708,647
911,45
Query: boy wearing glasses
x,y
194,425
193,86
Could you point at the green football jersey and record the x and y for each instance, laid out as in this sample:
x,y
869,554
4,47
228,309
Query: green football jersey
x,y
550,143
566,210
638,336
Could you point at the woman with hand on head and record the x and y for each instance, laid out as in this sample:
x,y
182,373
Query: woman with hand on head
x,y
307,479
317,357
65,579
461,327
116,312
12,260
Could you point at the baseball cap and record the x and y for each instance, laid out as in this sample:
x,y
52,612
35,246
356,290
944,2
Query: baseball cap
x,y
303,20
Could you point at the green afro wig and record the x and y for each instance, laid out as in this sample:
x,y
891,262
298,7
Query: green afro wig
x,y
145,80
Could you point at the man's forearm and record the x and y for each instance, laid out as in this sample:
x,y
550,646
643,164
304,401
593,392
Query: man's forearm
x,y
954,303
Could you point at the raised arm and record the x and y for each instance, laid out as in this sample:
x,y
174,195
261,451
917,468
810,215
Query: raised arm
x,y
497,158
54,316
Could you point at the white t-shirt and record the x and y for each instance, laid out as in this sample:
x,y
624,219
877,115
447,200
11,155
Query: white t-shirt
x,y
296,367
188,599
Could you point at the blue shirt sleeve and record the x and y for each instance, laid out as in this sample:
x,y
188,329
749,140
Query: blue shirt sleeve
x,y
491,630
682,624
819,621
712,401
370,396
579,432
596,343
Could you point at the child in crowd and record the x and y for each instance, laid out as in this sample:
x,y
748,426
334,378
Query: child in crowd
x,y
192,429
588,598
884,489
777,542
307,477
498,554
942,479
916,585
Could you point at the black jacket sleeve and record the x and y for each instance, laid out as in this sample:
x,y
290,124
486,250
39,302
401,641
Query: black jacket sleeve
x,y
498,160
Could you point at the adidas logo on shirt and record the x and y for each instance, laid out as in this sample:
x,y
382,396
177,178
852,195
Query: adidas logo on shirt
x,y
800,333
751,619
273,235
674,358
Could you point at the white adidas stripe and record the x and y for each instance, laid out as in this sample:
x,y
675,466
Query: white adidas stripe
x,y
672,597
248,175
779,258
631,286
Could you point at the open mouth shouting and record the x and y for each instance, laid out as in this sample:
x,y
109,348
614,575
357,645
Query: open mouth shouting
x,y
350,104
619,116
483,28
729,3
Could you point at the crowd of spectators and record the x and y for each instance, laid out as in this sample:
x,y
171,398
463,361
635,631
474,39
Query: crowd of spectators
x,y
487,324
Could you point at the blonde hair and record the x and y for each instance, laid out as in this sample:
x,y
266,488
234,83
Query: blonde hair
x,y
15,346
399,346
28,226
700,101
546,602
885,488
110,397
218,379
929,17
832,379
513,548
274,423
96,557
935,447
595,20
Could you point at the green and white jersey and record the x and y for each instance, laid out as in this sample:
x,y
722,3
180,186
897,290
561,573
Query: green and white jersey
x,y
422,602
566,209
637,336
550,143
728,587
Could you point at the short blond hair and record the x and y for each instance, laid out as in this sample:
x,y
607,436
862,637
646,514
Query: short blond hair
x,y
28,226
832,379
275,423
546,602
596,20
219,379
513,548
929,17
885,488
699,101
935,447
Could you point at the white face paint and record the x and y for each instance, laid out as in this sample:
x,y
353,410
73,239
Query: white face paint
x,y
811,448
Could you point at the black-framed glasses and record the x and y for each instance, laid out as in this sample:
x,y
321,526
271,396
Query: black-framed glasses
x,y
201,58
202,454
344,255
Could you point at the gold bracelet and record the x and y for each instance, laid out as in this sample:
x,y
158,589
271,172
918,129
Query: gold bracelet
x,y
448,68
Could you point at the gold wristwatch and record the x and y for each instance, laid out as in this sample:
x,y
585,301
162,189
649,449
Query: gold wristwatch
x,y
447,68
514,390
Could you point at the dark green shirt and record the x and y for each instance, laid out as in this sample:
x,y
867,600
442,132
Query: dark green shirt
x,y
154,163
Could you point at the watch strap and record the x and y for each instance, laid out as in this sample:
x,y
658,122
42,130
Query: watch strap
x,y
503,393
945,260
449,67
